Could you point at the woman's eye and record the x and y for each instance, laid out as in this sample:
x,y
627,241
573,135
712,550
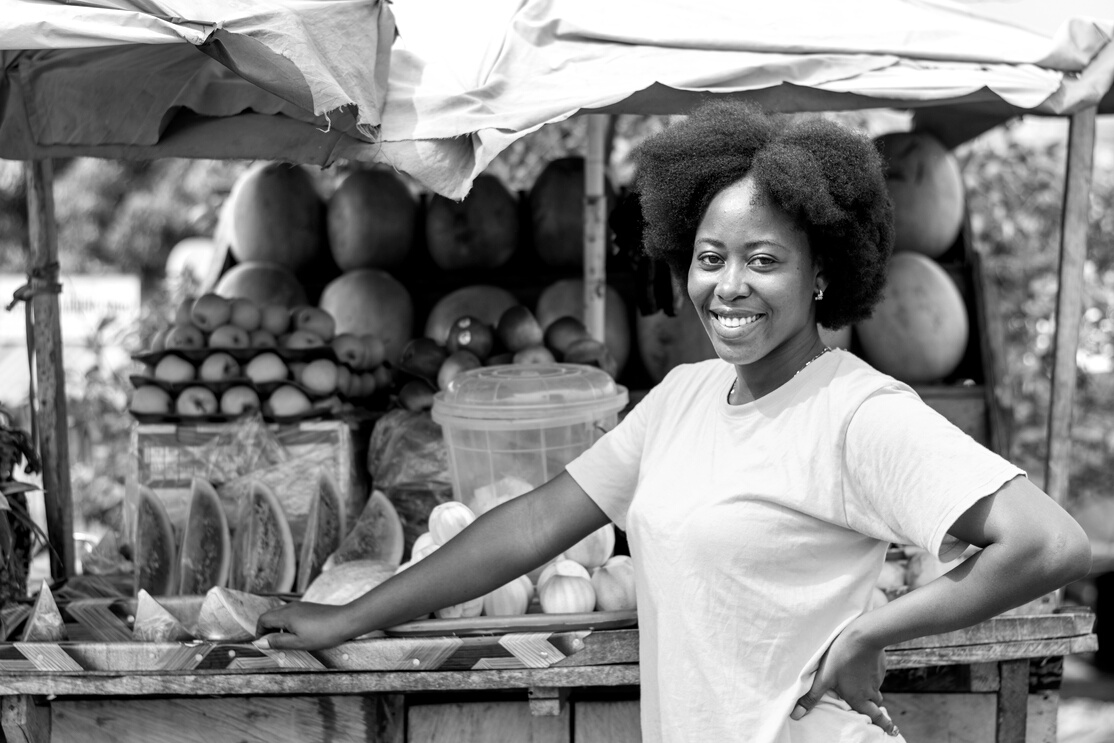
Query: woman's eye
x,y
762,261
709,259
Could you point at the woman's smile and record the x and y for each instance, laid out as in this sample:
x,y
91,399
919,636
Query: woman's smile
x,y
733,325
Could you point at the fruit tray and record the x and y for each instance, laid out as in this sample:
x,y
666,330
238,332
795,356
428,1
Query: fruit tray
x,y
197,355
476,626
220,386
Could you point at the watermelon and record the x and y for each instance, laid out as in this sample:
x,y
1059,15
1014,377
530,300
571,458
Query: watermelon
x,y
926,187
326,526
479,232
376,535
566,298
154,623
274,214
45,623
369,300
262,283
264,546
919,331
557,212
483,302
228,615
206,554
155,552
349,581
370,220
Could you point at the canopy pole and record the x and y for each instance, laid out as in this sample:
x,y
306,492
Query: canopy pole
x,y
50,385
1069,301
595,226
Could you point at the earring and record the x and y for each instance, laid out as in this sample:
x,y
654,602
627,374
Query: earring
x,y
819,295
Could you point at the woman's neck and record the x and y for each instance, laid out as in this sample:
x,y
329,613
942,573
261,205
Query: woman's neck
x,y
760,378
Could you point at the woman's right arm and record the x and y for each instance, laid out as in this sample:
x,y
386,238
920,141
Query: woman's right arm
x,y
504,543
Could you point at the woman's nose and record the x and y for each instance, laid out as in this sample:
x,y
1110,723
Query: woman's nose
x,y
733,283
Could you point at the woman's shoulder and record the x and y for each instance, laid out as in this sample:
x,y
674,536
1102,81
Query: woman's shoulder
x,y
854,380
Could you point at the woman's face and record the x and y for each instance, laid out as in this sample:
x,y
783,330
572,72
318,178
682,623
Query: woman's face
x,y
752,277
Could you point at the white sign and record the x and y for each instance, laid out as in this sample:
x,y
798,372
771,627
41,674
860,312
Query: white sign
x,y
84,303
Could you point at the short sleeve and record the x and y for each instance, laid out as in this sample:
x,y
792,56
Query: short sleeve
x,y
909,473
608,470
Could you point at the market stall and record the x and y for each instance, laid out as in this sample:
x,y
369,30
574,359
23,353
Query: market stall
x,y
431,129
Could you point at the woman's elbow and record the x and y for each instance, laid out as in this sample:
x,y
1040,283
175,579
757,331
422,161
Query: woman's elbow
x,y
1070,554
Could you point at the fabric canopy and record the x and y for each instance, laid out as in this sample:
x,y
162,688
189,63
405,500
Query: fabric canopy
x,y
468,79
141,79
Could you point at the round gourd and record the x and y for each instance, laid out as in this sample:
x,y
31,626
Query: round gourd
x,y
566,298
567,594
926,188
479,232
369,300
446,520
262,283
595,549
557,212
614,584
664,341
562,566
274,214
370,220
919,331
511,599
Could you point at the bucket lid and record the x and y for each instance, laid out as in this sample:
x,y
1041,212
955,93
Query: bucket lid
x,y
547,394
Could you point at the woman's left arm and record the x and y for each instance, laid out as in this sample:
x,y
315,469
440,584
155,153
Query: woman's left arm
x,y
1030,546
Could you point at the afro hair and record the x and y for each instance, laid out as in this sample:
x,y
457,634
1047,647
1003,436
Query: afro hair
x,y
827,178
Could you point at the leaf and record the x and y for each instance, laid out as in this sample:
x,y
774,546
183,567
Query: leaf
x,y
4,505
13,487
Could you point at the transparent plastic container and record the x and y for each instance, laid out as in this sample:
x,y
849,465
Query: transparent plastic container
x,y
510,428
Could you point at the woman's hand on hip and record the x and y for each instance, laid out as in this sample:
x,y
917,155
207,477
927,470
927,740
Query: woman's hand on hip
x,y
853,670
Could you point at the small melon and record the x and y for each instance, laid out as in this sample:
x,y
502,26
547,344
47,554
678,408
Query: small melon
x,y
264,545
326,526
228,615
206,554
155,551
45,623
154,623
376,535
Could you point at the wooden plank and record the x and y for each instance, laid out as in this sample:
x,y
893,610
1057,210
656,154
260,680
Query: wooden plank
x,y
991,652
25,720
1009,628
547,701
955,718
607,722
1069,300
50,380
481,722
1040,726
976,677
1013,701
195,684
245,719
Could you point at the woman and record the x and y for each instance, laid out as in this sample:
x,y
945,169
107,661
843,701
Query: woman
x,y
759,496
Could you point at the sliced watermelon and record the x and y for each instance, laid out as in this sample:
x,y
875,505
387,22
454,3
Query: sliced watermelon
x,y
154,623
45,623
264,546
347,582
228,615
377,535
325,528
206,554
155,552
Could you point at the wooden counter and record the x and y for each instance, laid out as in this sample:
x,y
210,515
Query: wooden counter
x,y
976,687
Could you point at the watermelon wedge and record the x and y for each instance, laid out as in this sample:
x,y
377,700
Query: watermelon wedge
x,y
326,526
45,623
228,615
264,546
206,554
155,550
376,535
154,623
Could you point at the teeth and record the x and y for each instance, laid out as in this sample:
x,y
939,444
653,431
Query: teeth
x,y
736,322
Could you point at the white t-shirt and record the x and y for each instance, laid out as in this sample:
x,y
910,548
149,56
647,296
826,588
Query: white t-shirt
x,y
758,531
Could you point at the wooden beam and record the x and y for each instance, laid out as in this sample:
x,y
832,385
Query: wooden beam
x,y
50,392
595,226
1069,302
1013,702
23,720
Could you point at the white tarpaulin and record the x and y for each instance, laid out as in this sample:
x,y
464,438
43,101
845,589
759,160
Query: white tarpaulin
x,y
278,79
468,79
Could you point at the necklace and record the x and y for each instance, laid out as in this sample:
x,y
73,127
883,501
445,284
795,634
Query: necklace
x,y
731,391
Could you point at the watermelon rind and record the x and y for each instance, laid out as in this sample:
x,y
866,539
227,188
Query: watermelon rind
x,y
154,623
265,558
346,582
326,526
155,551
376,535
228,615
45,623
206,555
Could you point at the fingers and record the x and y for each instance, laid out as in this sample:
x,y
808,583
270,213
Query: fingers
x,y
273,619
280,641
807,702
877,716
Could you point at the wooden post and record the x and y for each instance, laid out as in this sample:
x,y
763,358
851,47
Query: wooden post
x,y
23,720
50,385
595,226
1073,253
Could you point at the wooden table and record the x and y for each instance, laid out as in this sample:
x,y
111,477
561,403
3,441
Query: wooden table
x,y
975,686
